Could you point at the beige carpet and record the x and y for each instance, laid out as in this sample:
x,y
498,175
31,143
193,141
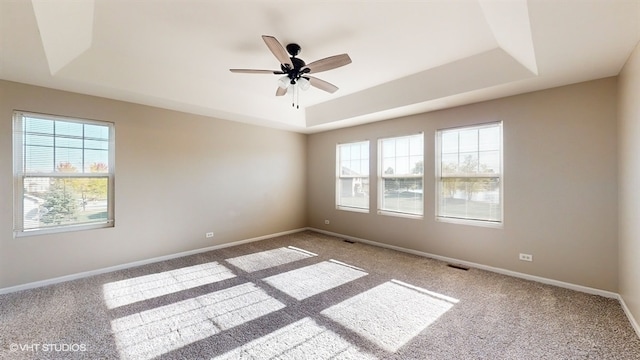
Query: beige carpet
x,y
310,296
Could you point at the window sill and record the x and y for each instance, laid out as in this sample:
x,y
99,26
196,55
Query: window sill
x,y
62,229
400,214
352,209
481,223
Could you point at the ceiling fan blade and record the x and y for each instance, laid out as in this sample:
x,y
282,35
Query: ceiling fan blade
x,y
278,50
329,63
322,85
281,91
253,71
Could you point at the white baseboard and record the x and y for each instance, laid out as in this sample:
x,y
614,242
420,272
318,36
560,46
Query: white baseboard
x,y
632,320
562,284
84,274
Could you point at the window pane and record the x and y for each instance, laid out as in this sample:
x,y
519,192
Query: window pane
x,y
364,150
354,167
354,192
417,165
96,144
364,166
468,140
470,198
403,195
96,161
38,159
402,155
35,125
489,138
389,166
96,131
63,128
41,140
388,148
449,142
490,162
402,165
402,147
468,163
68,160
345,152
49,202
345,168
68,142
355,152
416,145
98,167
449,164
53,145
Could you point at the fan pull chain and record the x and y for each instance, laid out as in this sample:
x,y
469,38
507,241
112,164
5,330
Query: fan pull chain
x,y
295,96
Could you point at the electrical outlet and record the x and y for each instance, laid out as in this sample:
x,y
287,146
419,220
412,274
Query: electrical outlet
x,y
209,234
327,222
526,257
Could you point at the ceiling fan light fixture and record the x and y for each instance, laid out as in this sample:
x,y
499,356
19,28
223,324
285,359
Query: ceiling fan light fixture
x,y
283,82
304,83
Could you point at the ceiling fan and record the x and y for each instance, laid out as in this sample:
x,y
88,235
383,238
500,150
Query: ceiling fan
x,y
295,70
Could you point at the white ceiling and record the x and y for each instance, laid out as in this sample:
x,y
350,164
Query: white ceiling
x,y
408,56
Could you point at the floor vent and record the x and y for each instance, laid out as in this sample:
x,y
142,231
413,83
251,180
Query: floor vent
x,y
460,267
349,241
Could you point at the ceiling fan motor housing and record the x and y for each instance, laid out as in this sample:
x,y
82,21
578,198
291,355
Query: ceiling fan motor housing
x,y
295,73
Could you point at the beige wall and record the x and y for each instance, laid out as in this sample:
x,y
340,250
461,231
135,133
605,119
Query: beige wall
x,y
629,191
177,177
560,186
242,181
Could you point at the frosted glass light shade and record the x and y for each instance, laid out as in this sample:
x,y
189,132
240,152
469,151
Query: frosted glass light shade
x,y
283,82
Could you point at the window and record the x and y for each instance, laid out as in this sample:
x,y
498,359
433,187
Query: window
x,y
63,173
401,173
352,188
469,174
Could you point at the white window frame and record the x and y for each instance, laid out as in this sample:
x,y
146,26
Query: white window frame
x,y
499,177
340,177
382,176
20,174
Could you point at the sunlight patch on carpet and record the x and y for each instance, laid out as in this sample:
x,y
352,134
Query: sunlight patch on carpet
x,y
129,291
390,314
314,279
270,258
150,333
304,339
